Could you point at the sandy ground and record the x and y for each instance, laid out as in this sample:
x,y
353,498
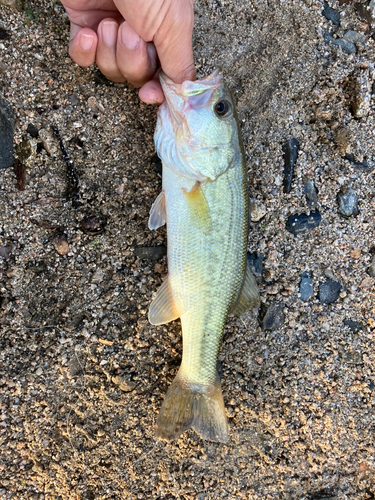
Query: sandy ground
x,y
83,374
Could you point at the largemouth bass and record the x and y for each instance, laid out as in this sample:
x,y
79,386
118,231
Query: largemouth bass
x,y
204,202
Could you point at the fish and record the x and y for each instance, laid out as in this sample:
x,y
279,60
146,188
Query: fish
x,y
205,205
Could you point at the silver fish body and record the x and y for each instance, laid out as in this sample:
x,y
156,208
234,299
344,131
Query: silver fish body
x,y
205,205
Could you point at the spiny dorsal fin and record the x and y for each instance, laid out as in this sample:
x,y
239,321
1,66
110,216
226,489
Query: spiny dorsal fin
x,y
248,296
162,309
158,214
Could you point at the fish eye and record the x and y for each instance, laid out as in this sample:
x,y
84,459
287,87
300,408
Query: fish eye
x,y
222,108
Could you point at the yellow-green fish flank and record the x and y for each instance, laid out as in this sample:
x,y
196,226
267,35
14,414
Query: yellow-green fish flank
x,y
205,205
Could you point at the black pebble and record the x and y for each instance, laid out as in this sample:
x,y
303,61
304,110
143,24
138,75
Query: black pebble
x,y
348,202
355,326
306,286
4,34
32,130
150,253
290,150
329,291
93,224
6,135
347,47
302,223
273,317
358,165
331,14
310,192
255,263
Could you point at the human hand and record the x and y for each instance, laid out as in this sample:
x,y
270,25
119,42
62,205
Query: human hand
x,y
130,40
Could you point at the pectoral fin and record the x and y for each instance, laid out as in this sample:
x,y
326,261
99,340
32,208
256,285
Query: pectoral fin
x,y
163,309
248,296
158,214
198,207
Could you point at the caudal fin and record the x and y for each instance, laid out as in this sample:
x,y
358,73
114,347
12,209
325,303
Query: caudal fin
x,y
190,406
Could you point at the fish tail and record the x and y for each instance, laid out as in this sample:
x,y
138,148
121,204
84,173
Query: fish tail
x,y
193,406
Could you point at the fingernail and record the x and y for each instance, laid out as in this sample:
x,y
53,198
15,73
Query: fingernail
x,y
109,33
86,41
130,38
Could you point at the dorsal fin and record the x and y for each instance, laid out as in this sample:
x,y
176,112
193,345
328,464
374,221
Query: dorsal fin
x,y
158,213
162,308
248,296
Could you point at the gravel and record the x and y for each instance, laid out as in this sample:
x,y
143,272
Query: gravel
x,y
82,372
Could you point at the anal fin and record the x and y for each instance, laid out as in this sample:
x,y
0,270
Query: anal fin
x,y
163,309
248,296
158,213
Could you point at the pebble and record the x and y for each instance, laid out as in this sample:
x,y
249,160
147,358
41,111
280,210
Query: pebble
x,y
354,326
310,192
60,242
358,165
306,286
257,211
329,291
39,372
302,223
49,142
32,130
331,14
98,276
361,98
354,37
36,267
4,34
290,150
6,135
347,47
5,252
347,202
371,268
94,105
73,98
255,262
124,385
150,253
93,224
274,316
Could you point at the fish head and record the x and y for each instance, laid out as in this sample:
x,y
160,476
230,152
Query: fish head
x,y
197,133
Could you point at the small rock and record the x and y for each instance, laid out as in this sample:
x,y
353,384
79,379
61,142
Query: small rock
x,y
371,268
355,326
358,165
347,202
361,98
302,223
306,286
36,267
352,357
32,130
343,139
150,253
347,47
39,372
73,98
159,268
75,366
310,192
124,385
49,142
60,242
354,37
255,262
5,252
274,316
4,34
94,105
290,150
93,224
98,276
257,211
6,135
329,291
331,14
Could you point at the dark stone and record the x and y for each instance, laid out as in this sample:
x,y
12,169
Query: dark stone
x,y
36,267
157,163
32,130
348,202
73,99
4,34
6,135
274,316
150,253
302,223
306,286
100,79
290,150
347,47
355,326
331,14
329,291
93,224
5,252
310,192
371,385
255,263
363,12
354,37
358,165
